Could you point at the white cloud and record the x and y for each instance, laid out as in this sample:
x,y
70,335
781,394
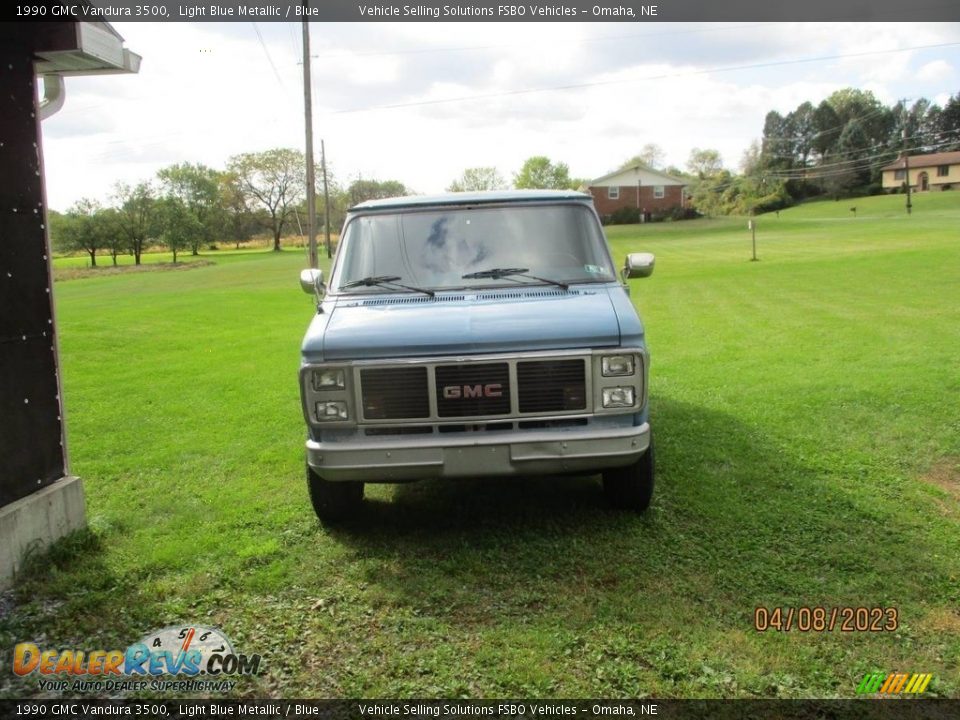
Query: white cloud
x,y
936,71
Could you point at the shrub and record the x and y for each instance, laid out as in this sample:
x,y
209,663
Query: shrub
x,y
687,213
631,216
624,216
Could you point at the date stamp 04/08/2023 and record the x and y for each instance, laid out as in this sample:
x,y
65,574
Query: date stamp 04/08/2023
x,y
826,619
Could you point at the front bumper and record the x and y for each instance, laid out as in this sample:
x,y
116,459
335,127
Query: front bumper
x,y
479,454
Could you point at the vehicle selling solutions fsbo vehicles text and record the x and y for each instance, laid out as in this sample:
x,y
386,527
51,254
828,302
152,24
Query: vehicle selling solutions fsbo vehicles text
x,y
506,11
424,11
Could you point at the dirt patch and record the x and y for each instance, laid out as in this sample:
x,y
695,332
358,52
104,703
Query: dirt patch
x,y
945,474
942,620
61,274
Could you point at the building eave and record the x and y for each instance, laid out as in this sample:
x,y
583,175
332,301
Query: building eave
x,y
638,168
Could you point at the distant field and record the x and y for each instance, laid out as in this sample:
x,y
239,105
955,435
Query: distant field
x,y
808,447
157,254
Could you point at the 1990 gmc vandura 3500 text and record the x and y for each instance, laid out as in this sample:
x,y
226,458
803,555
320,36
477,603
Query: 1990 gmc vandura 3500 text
x,y
475,334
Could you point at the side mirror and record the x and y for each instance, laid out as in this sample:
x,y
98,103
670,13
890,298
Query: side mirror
x,y
311,281
638,265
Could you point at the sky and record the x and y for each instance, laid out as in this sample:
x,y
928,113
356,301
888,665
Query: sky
x,y
420,102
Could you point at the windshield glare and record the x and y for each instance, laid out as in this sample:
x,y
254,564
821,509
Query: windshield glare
x,y
434,249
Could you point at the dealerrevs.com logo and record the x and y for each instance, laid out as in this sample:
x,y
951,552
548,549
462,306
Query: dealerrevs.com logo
x,y
189,652
894,683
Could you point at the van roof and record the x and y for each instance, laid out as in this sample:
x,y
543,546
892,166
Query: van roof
x,y
472,198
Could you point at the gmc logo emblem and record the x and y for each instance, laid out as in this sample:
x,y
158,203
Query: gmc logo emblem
x,y
455,392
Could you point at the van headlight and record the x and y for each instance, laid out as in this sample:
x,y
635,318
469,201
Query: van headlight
x,y
331,411
328,379
326,394
617,365
619,378
619,397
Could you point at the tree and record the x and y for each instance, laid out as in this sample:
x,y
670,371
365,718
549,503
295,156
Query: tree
x,y
177,225
863,106
704,163
751,160
136,210
777,146
77,229
197,187
339,203
57,221
478,178
361,190
650,156
800,123
273,179
847,167
707,195
108,228
948,124
923,126
839,182
865,124
840,145
234,216
828,127
339,200
538,172
728,194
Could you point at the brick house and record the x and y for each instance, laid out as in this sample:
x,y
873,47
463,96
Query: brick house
x,y
637,187
934,171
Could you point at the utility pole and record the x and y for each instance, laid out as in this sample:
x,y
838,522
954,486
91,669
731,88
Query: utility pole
x,y
308,122
326,196
906,164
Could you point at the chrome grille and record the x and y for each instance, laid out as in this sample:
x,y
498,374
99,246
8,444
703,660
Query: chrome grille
x,y
551,385
394,393
473,389
489,389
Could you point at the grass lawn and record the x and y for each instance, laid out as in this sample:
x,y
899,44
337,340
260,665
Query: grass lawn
x,y
808,441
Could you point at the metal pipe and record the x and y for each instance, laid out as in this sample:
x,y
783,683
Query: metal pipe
x,y
54,93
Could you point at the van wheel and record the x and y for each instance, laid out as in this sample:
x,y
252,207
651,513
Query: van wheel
x,y
333,501
631,487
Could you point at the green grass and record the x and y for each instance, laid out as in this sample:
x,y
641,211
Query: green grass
x,y
808,434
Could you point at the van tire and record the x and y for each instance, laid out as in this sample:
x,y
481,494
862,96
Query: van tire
x,y
631,487
333,501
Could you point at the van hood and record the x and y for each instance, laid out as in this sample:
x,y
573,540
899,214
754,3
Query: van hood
x,y
466,322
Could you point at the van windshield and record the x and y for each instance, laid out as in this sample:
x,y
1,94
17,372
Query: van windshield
x,y
435,249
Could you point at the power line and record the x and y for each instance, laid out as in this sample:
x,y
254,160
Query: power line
x,y
269,58
893,145
810,174
830,170
797,138
294,45
665,76
498,46
895,149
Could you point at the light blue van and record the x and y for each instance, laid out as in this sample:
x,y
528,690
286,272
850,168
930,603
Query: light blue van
x,y
470,335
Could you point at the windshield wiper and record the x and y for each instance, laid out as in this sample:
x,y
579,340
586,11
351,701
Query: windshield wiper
x,y
497,273
385,281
